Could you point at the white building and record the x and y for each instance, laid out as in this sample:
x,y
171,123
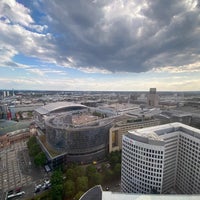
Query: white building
x,y
98,194
160,159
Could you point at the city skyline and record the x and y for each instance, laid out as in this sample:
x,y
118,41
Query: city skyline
x,y
99,45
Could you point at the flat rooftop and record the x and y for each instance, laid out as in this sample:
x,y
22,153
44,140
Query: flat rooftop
x,y
77,120
158,132
83,119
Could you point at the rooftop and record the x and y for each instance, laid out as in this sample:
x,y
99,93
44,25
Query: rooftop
x,y
158,132
78,120
56,106
98,194
7,126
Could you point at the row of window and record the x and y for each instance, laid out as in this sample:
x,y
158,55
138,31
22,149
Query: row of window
x,y
134,185
143,172
131,161
189,141
143,164
147,157
131,146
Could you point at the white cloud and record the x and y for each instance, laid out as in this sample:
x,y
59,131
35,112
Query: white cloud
x,y
193,67
44,71
93,70
101,84
6,53
36,71
23,41
15,12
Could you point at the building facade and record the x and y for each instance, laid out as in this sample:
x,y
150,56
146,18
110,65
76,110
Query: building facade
x,y
161,159
83,143
152,98
10,137
121,128
69,132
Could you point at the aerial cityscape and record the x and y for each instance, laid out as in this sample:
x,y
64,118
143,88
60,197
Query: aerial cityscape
x,y
155,136
99,100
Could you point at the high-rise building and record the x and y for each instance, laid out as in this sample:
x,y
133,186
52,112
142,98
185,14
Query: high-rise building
x,y
160,159
152,98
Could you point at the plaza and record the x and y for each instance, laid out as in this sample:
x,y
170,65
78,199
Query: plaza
x,y
17,170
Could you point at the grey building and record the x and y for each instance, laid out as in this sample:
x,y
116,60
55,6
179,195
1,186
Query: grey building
x,y
70,132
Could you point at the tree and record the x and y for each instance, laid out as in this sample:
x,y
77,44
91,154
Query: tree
x,y
56,178
90,171
57,192
71,174
34,150
79,171
57,185
96,179
78,195
117,170
113,160
32,140
82,183
40,159
108,175
69,188
103,167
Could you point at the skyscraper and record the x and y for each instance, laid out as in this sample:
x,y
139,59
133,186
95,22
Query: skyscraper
x,y
152,98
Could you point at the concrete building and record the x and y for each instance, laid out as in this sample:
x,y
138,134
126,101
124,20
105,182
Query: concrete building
x,y
82,136
152,98
175,116
11,132
122,127
160,159
69,132
98,194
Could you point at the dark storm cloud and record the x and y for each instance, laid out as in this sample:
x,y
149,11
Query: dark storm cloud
x,y
133,36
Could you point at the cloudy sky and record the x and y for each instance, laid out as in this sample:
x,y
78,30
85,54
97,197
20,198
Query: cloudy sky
x,y
126,45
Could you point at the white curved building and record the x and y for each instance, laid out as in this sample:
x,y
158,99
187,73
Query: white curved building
x,y
161,158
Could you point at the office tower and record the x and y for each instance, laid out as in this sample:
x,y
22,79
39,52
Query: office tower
x,y
160,159
152,98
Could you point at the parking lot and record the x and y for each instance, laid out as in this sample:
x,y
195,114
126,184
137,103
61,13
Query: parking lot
x,y
17,170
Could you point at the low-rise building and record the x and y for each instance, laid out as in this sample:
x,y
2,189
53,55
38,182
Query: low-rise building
x,y
122,127
11,131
